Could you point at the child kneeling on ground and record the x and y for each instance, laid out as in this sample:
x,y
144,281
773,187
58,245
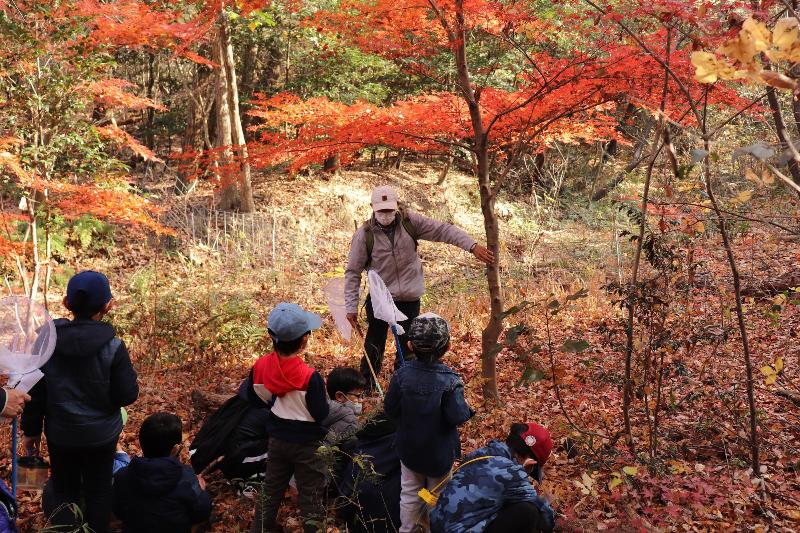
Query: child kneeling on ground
x,y
491,492
345,390
427,399
157,493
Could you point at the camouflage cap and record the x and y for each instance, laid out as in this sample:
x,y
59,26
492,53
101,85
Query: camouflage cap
x,y
429,333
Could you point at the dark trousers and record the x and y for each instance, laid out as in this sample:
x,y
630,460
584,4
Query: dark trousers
x,y
377,330
83,472
285,459
523,517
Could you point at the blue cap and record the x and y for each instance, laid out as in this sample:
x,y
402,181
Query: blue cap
x,y
288,322
96,288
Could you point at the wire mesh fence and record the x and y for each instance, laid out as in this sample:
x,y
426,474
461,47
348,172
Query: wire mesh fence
x,y
231,235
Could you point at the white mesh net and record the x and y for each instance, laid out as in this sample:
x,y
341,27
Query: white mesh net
x,y
334,294
383,304
27,336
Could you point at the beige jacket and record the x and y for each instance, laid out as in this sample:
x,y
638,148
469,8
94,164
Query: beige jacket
x,y
397,263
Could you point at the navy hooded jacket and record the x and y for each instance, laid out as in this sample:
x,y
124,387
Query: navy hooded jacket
x,y
159,495
427,401
86,381
371,485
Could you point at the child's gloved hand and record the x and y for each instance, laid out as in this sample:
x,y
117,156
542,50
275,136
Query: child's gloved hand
x,y
201,480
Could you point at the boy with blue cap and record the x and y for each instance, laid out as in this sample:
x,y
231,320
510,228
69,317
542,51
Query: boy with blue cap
x,y
86,381
296,393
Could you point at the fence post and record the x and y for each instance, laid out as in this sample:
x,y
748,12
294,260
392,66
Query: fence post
x,y
274,224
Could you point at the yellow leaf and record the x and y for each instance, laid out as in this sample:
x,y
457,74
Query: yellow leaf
x,y
753,38
771,379
767,177
767,370
709,68
630,470
615,482
744,196
779,364
699,227
785,36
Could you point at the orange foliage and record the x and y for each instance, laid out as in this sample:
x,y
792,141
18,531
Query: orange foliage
x,y
428,123
111,93
123,138
133,23
111,201
570,98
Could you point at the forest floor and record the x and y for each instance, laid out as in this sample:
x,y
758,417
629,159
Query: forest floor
x,y
194,316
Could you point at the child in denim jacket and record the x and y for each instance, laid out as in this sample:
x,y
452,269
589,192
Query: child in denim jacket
x,y
426,398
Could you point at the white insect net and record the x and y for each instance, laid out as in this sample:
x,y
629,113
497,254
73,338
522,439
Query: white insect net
x,y
27,340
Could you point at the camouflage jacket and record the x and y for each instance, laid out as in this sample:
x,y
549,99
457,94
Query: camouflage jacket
x,y
472,499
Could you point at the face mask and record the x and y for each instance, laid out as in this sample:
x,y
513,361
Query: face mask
x,y
357,407
384,219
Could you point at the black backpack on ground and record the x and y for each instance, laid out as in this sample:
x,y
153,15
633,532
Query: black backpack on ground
x,y
222,437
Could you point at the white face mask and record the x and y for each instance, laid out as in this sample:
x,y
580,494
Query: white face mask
x,y
357,407
385,219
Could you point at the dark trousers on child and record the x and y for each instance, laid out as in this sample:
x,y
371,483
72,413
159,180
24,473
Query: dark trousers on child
x,y
377,331
87,473
523,517
285,459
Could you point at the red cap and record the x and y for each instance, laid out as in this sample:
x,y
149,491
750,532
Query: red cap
x,y
537,438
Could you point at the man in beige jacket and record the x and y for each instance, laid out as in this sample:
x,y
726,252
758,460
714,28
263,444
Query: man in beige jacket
x,y
387,243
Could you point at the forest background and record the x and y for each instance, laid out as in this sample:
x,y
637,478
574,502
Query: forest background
x,y
632,165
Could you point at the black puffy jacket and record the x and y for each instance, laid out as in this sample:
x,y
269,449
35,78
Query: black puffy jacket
x,y
159,495
86,381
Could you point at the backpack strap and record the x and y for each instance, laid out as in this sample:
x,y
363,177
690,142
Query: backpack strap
x,y
369,235
369,241
409,226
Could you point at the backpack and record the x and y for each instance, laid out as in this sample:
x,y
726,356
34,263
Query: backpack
x,y
8,511
211,440
369,236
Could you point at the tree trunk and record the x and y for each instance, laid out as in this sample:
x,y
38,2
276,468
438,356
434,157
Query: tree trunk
x,y
445,170
494,327
192,141
777,117
229,197
152,74
635,162
480,141
249,64
247,204
331,164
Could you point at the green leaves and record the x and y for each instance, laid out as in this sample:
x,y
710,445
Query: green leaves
x,y
574,346
530,375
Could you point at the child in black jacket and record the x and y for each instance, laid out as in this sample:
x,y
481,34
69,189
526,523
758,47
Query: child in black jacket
x,y
86,381
157,493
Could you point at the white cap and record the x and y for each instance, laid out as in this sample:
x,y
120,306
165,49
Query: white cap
x,y
384,197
